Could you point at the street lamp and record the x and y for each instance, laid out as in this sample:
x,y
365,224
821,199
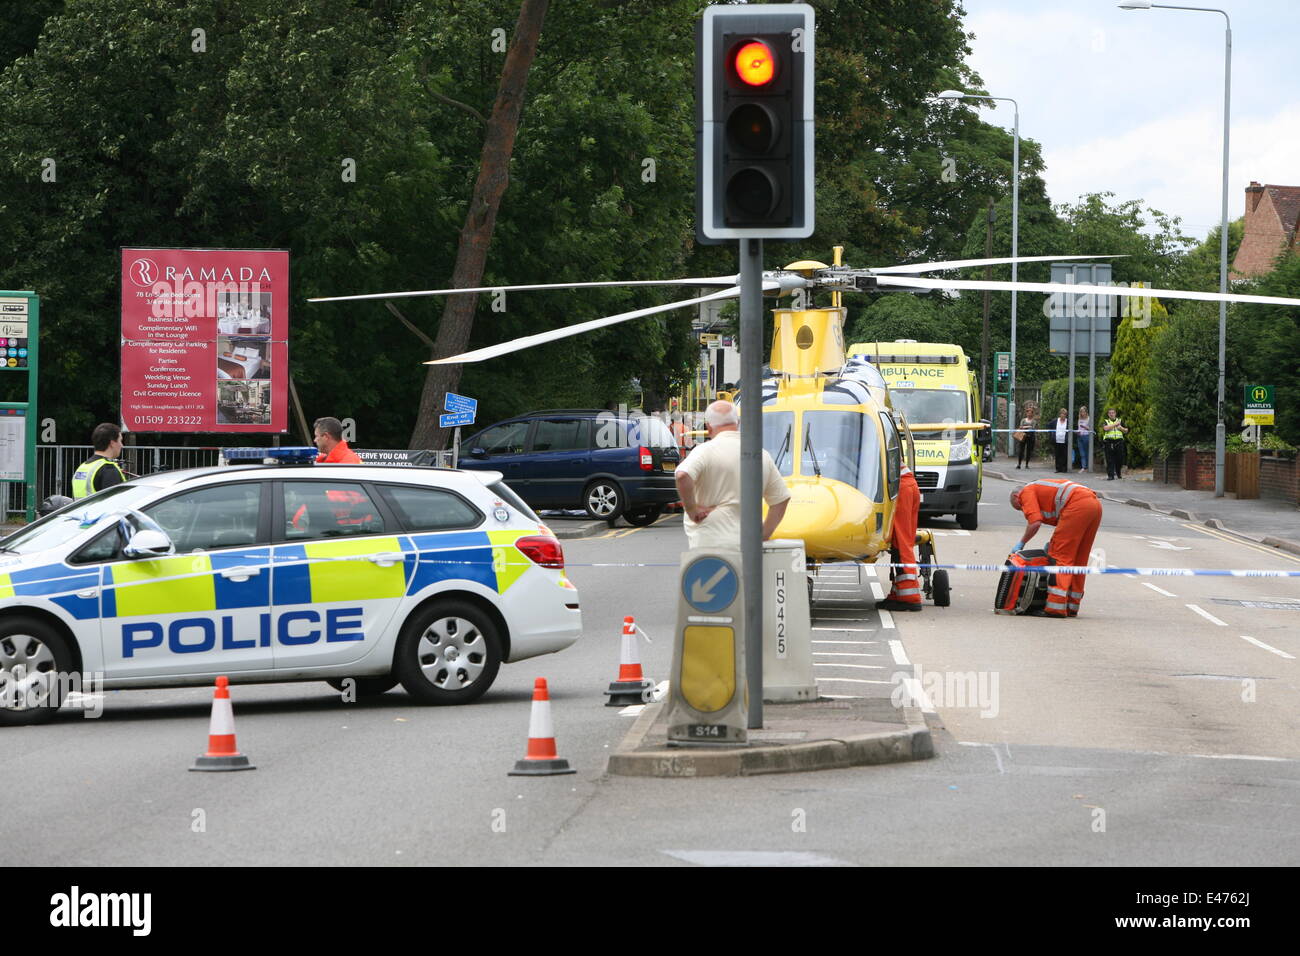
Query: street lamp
x,y
1219,430
953,95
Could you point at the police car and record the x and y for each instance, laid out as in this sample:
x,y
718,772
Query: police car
x,y
421,576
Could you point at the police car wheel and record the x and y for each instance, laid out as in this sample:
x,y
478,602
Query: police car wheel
x,y
449,653
640,517
603,499
32,658
363,686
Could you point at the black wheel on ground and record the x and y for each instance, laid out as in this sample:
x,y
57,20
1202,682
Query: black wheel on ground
x,y
35,662
970,521
448,653
364,686
603,499
942,593
640,517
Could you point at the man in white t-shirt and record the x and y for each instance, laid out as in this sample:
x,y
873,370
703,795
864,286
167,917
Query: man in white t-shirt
x,y
708,482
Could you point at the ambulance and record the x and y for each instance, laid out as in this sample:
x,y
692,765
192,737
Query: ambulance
x,y
362,576
931,383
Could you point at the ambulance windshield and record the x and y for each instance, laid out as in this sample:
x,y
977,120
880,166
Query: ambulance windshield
x,y
930,405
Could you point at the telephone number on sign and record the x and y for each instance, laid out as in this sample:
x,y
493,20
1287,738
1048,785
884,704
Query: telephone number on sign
x,y
168,420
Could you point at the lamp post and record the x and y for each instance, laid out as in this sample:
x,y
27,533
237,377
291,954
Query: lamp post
x,y
1219,429
1015,241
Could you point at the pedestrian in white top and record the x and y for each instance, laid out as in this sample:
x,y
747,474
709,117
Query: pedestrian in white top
x,y
708,482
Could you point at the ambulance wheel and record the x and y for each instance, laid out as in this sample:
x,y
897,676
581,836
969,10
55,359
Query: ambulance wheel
x,y
603,499
33,658
969,522
640,517
942,594
448,653
363,686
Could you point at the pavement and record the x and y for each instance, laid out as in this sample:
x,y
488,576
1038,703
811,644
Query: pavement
x,y
1267,521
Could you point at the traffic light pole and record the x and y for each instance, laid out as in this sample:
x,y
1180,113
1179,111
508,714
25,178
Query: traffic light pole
x,y
751,468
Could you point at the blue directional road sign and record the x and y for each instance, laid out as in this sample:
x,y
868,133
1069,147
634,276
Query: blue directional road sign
x,y
710,584
459,403
456,420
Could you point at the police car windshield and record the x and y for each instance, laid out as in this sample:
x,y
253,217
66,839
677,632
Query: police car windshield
x,y
930,405
78,517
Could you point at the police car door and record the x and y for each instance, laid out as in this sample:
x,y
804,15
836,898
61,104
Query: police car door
x,y
341,568
204,609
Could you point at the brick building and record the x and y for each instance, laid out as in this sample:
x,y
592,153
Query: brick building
x,y
1270,227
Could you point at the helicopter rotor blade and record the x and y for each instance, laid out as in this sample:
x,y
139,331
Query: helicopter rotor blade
x,y
541,338
1101,290
697,281
972,263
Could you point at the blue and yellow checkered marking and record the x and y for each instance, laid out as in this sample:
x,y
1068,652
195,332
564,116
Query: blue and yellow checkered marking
x,y
453,555
56,580
317,572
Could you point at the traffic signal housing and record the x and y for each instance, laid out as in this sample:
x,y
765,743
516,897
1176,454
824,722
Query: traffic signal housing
x,y
754,122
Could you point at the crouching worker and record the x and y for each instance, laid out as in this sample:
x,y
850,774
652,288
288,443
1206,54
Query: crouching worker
x,y
905,595
1076,513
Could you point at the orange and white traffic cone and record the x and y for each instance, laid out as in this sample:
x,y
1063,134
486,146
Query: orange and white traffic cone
x,y
222,753
541,759
631,686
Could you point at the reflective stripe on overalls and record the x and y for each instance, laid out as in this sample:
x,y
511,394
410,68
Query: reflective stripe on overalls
x,y
83,479
1063,491
1061,602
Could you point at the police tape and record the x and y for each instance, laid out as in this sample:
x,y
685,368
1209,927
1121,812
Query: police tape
x,y
1090,569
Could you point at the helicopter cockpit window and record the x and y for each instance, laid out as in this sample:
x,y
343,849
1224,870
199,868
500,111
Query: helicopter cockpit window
x,y
778,434
893,454
843,446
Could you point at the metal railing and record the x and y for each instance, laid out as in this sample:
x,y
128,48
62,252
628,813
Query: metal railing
x,y
55,465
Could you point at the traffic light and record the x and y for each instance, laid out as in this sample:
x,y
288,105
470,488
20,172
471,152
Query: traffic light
x,y
754,122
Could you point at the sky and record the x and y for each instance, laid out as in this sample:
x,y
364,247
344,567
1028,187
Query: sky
x,y
1131,102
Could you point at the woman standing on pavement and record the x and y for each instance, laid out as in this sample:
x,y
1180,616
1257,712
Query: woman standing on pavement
x,y
1062,439
1113,431
1026,434
1083,440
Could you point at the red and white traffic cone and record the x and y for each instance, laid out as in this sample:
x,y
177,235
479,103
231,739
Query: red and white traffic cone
x,y
541,759
632,685
222,753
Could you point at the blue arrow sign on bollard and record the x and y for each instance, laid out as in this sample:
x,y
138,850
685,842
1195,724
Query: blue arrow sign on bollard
x,y
710,584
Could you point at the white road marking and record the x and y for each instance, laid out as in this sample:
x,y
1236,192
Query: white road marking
x,y
886,619
855,680
859,643
900,657
1207,615
860,667
843,654
843,697
848,630
1158,590
754,858
631,710
877,591
1289,657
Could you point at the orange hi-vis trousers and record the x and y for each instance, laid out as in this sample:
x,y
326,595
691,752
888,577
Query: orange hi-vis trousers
x,y
1071,544
907,511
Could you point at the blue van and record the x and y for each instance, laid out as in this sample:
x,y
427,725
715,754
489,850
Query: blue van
x,y
607,464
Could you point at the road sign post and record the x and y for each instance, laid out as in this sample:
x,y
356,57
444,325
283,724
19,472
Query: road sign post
x,y
20,340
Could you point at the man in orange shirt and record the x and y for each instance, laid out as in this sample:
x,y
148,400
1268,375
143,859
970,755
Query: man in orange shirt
x,y
329,442
905,595
1076,513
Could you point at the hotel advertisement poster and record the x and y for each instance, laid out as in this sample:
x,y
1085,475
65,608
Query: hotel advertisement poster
x,y
205,340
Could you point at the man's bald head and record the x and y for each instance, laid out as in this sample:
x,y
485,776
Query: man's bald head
x,y
721,415
1015,498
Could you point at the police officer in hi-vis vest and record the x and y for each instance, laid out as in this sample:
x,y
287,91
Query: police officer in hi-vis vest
x,y
101,471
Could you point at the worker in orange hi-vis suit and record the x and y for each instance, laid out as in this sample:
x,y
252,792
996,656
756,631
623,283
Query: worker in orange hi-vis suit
x,y
1075,511
905,595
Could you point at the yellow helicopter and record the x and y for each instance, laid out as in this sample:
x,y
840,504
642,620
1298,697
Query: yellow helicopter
x,y
828,421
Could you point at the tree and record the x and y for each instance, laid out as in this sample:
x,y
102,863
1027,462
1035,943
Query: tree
x,y
902,316
1184,379
471,256
1265,339
1129,392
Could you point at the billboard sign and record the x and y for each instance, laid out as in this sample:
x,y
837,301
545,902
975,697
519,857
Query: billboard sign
x,y
205,340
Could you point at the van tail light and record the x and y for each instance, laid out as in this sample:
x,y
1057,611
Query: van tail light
x,y
647,459
542,550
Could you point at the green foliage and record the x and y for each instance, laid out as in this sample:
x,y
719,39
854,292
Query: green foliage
x,y
1270,440
1265,339
1184,377
1129,390
902,316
